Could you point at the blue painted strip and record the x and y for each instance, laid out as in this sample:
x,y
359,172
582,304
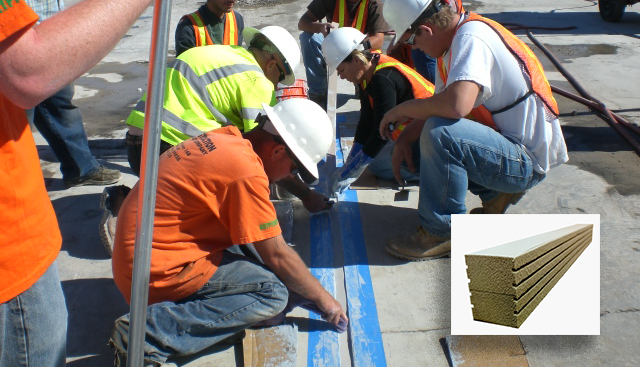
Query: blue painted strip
x,y
367,348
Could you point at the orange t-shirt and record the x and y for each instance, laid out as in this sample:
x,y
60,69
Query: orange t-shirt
x,y
212,193
29,236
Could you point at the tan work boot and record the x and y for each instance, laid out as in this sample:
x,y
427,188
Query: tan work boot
x,y
420,246
499,204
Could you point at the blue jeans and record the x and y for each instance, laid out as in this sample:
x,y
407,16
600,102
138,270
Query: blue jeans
x,y
382,165
241,293
425,64
60,123
314,62
457,155
33,325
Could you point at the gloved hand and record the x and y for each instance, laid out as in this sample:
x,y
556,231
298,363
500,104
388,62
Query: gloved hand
x,y
355,149
349,172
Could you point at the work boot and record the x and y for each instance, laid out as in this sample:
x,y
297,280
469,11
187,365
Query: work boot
x,y
499,204
101,176
110,202
420,246
320,99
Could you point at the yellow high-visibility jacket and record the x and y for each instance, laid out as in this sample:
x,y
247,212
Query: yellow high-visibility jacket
x,y
209,87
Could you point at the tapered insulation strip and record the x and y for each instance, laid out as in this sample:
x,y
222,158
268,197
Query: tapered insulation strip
x,y
507,282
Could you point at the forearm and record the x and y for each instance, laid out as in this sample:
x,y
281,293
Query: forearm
x,y
376,40
63,47
295,186
287,265
310,24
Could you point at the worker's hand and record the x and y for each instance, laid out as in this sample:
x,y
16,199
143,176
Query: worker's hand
x,y
333,313
393,116
315,202
401,152
349,172
323,28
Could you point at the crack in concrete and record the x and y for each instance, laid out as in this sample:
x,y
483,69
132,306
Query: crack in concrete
x,y
620,311
414,331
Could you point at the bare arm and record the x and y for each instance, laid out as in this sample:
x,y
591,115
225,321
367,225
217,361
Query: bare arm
x,y
310,23
376,40
287,265
57,51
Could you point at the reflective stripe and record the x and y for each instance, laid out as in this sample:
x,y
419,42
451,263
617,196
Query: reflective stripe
x,y
360,20
199,82
360,16
249,113
201,37
174,121
230,29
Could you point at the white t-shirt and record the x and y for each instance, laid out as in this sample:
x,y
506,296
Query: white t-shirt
x,y
479,55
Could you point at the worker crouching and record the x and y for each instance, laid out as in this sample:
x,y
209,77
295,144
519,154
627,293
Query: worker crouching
x,y
491,127
219,263
384,82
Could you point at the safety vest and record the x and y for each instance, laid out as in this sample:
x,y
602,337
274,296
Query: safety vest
x,y
203,38
526,57
460,9
207,88
341,15
420,86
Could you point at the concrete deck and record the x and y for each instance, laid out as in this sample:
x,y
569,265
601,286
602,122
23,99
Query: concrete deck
x,y
411,300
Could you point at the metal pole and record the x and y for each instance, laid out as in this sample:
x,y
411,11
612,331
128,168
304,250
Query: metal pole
x,y
148,182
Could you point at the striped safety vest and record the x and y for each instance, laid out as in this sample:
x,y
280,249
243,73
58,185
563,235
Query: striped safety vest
x,y
203,38
526,57
341,15
207,88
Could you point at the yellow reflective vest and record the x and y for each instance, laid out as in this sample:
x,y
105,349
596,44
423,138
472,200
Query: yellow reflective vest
x,y
209,87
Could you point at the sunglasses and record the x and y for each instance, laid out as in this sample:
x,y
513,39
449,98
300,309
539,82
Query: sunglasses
x,y
410,41
282,74
261,120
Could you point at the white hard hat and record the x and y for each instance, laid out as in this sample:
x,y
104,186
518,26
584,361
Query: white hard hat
x,y
306,130
400,14
339,44
284,42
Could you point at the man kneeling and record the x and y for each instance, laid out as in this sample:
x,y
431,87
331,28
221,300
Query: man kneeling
x,y
208,281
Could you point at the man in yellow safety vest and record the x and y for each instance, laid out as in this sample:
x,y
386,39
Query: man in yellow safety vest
x,y
214,23
363,15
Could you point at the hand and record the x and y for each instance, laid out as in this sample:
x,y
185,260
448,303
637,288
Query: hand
x,y
393,116
333,313
349,172
315,202
401,152
324,28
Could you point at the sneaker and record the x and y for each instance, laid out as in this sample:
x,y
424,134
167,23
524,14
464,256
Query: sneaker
x,y
420,246
499,204
101,176
110,203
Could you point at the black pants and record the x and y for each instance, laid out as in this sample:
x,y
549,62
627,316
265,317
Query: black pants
x,y
134,151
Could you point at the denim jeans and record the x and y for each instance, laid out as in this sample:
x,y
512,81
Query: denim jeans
x,y
241,293
457,155
134,151
425,64
33,325
60,123
310,45
382,165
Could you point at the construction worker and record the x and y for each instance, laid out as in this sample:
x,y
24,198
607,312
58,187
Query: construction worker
x,y
33,313
364,15
516,139
208,281
214,23
384,83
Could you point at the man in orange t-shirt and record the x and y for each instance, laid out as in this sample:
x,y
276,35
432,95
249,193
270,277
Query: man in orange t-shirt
x,y
207,280
33,313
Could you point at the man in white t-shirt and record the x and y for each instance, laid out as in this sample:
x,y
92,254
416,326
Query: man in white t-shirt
x,y
478,75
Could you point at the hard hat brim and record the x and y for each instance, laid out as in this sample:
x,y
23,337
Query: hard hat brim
x,y
309,170
248,33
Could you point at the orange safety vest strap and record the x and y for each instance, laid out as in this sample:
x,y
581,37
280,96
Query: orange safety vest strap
x,y
198,31
420,86
230,29
460,7
340,14
526,57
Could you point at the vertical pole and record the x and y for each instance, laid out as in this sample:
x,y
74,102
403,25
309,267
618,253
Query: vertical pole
x,y
148,182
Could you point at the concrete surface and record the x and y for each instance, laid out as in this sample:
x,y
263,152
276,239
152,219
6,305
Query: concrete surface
x,y
412,299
